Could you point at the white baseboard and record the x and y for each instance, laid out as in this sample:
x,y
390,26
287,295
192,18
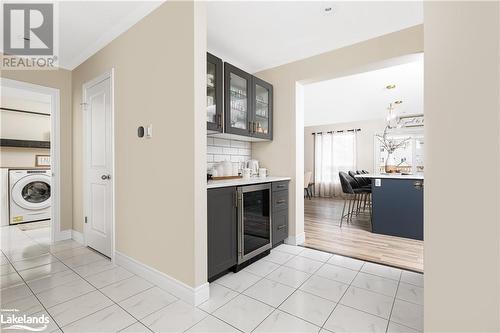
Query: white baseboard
x,y
296,240
77,236
194,296
62,235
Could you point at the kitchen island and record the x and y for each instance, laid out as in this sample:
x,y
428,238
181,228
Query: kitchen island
x,y
397,205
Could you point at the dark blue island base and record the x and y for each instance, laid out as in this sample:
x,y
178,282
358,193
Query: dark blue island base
x,y
398,207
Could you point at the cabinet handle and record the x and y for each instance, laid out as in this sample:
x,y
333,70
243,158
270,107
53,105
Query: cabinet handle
x,y
281,201
219,121
254,127
281,186
281,226
418,184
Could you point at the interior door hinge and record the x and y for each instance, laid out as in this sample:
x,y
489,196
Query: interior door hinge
x,y
86,220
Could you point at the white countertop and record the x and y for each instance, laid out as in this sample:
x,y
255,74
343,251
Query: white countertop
x,y
391,176
242,181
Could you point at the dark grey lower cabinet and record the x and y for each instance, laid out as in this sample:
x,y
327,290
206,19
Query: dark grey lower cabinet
x,y
221,230
280,212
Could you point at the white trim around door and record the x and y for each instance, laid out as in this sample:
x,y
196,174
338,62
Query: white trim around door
x,y
107,75
55,151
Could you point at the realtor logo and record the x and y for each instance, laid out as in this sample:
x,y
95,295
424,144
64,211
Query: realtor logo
x,y
29,40
28,28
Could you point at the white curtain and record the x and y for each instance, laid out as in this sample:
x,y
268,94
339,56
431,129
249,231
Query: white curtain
x,y
333,152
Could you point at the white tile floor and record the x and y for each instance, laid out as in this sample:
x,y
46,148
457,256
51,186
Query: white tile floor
x,y
292,290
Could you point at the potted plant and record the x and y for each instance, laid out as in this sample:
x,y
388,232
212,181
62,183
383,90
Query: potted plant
x,y
391,145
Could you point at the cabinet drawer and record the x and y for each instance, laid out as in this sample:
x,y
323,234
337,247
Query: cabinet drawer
x,y
280,201
280,186
280,227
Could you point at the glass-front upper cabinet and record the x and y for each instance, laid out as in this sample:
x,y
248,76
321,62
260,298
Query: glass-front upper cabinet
x,y
262,109
214,94
238,110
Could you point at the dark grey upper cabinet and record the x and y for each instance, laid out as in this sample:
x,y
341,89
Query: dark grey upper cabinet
x,y
262,98
214,94
248,104
222,230
237,101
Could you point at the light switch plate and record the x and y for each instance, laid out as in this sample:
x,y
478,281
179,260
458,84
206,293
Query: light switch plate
x,y
378,182
149,131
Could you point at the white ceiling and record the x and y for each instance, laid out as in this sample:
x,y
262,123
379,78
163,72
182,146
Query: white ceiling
x,y
256,35
364,96
85,27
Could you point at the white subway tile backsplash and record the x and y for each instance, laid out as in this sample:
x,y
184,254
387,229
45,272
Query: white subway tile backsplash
x,y
222,142
219,150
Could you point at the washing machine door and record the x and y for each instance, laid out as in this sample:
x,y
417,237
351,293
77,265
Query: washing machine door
x,y
32,192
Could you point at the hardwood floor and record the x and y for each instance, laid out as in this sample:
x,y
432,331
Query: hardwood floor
x,y
323,232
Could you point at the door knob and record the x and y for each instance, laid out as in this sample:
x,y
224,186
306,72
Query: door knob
x,y
104,177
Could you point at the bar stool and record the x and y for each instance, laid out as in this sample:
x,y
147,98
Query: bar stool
x,y
352,192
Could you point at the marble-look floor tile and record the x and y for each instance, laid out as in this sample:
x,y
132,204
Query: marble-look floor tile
x,y
219,295
176,317
309,307
349,320
326,288
244,313
289,276
315,255
108,320
121,290
337,273
346,262
64,245
82,259
73,252
278,257
280,321
408,314
376,283
10,280
147,302
64,292
34,262
381,270
289,249
270,292
41,271
398,328
26,305
94,267
238,281
6,269
410,293
27,253
15,292
261,268
108,277
136,328
416,279
79,307
212,324
368,301
304,264
52,280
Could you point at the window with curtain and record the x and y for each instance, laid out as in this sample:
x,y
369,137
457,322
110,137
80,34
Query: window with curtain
x,y
333,152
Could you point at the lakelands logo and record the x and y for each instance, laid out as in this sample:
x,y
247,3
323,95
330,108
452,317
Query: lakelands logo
x,y
29,36
11,320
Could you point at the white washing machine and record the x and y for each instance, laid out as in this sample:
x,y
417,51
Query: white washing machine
x,y
29,195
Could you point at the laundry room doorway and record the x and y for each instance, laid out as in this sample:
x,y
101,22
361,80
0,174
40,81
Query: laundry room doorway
x,y
30,161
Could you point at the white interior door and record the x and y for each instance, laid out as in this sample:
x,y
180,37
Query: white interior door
x,y
99,165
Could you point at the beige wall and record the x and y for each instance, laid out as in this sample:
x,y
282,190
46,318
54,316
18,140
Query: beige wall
x,y
462,67
159,67
12,157
284,155
364,141
59,79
